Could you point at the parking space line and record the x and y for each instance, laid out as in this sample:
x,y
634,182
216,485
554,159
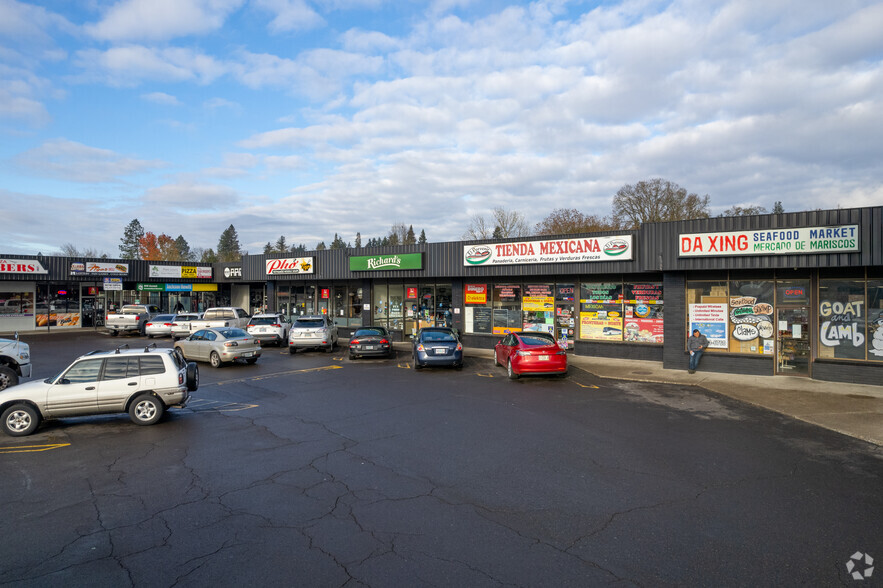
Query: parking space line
x,y
274,375
32,448
586,385
484,375
201,403
404,366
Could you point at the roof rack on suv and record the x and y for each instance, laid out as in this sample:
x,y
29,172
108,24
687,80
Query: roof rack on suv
x,y
123,346
93,352
149,346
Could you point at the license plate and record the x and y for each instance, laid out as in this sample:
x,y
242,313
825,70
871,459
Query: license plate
x,y
369,348
543,358
441,351
249,354
262,330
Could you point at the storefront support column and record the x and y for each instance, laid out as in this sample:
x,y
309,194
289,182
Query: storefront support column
x,y
674,287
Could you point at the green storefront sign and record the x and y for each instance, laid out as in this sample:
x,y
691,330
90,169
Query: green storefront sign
x,y
395,261
151,287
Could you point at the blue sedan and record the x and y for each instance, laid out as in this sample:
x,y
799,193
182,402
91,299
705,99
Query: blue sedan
x,y
437,346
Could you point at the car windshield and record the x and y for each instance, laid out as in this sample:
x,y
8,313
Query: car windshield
x,y
232,333
265,320
186,317
369,333
163,318
438,336
309,323
537,339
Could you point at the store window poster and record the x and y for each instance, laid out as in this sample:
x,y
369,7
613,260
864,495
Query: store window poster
x,y
600,326
711,320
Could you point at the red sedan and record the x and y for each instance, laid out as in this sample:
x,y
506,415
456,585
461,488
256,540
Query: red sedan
x,y
530,353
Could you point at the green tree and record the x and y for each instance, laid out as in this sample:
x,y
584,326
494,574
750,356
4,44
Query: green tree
x,y
410,238
208,256
657,200
268,248
744,211
130,242
422,239
778,208
281,246
183,247
358,243
321,246
393,240
338,243
228,245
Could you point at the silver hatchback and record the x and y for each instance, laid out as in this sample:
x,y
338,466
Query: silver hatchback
x,y
312,332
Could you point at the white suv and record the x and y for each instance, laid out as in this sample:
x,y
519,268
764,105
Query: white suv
x,y
269,328
143,382
308,332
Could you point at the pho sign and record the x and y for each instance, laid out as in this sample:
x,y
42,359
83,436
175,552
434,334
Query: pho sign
x,y
397,261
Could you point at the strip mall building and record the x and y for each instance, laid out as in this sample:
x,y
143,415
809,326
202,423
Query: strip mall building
x,y
797,294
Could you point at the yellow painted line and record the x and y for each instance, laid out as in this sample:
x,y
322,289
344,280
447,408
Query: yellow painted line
x,y
481,375
405,366
586,385
32,448
337,359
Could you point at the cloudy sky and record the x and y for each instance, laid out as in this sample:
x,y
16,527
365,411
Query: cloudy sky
x,y
306,118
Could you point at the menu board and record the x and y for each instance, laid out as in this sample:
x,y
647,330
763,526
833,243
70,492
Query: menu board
x,y
482,320
646,293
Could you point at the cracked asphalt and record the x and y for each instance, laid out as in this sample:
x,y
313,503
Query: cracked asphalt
x,y
314,470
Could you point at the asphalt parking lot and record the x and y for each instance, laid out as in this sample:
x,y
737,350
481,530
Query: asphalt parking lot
x,y
314,470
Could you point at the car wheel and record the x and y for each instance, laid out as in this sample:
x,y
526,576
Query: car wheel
x,y
417,365
146,410
192,376
20,420
215,359
352,357
496,362
251,360
150,336
329,348
8,377
292,350
512,374
114,333
562,375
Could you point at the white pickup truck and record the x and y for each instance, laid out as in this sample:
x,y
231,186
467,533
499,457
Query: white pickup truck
x,y
15,361
131,318
216,318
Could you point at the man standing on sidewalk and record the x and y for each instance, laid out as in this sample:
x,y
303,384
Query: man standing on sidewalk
x,y
696,344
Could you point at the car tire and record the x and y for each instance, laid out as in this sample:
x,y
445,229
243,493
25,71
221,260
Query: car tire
x,y
511,372
417,365
192,376
215,359
353,357
562,375
8,377
251,360
20,420
496,362
114,333
292,350
146,409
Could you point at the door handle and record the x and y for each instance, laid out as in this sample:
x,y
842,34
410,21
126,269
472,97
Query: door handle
x,y
133,383
90,387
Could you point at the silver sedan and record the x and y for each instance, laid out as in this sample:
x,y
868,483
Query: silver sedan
x,y
220,346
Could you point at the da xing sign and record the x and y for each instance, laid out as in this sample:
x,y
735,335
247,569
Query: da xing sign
x,y
616,248
799,241
398,261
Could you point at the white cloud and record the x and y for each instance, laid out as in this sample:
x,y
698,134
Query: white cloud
x,y
191,197
161,98
216,103
129,66
290,15
66,160
157,20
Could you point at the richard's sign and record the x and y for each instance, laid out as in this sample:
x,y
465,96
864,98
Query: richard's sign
x,y
396,261
770,242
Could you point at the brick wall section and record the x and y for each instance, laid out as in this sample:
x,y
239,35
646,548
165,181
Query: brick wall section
x,y
847,372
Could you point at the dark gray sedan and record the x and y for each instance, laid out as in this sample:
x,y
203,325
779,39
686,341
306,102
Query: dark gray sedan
x,y
371,341
437,346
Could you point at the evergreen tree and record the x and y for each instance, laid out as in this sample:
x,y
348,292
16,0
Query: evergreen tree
x,y
358,243
281,245
129,243
299,250
209,256
268,248
183,247
422,239
498,233
410,239
394,240
778,208
321,246
228,245
384,242
338,243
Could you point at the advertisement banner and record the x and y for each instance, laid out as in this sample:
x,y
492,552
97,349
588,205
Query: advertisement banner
x,y
398,261
290,266
21,266
600,326
165,271
113,284
770,242
537,304
615,248
711,320
475,294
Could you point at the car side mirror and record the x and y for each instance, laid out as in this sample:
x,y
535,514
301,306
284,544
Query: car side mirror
x,y
64,381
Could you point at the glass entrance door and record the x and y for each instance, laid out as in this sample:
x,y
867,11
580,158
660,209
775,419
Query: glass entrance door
x,y
792,341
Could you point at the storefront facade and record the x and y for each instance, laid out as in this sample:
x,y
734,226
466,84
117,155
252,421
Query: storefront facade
x,y
792,294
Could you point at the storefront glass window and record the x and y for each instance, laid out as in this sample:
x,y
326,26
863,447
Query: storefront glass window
x,y
380,304
396,306
842,316
303,298
283,300
751,317
538,306
708,310
443,301
875,320
643,313
507,309
479,312
601,312
355,318
58,305
340,306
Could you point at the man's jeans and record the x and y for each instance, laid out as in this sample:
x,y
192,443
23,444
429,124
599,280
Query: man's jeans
x,y
694,359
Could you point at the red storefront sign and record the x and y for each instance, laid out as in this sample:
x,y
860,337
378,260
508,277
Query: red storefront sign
x,y
475,294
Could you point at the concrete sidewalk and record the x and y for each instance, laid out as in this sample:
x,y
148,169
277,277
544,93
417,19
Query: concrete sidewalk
x,y
851,409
